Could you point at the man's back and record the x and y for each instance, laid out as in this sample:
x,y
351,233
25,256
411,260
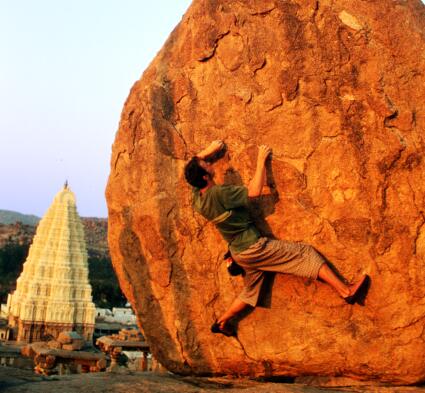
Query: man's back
x,y
227,207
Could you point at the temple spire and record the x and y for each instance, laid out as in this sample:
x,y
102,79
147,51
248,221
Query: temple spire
x,y
53,292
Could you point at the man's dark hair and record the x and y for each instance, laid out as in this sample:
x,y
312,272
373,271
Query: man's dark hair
x,y
194,173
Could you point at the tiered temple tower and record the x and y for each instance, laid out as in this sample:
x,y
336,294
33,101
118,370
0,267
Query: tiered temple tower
x,y
53,292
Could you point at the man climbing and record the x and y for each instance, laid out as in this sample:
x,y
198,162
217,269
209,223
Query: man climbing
x,y
226,207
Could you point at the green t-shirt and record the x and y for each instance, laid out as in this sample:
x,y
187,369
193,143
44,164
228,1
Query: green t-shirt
x,y
227,208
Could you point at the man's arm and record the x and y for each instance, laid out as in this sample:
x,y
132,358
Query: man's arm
x,y
256,184
213,148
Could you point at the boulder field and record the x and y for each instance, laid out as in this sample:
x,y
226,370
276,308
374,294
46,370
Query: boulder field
x,y
337,89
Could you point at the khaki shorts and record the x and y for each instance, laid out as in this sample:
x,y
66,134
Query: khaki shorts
x,y
280,256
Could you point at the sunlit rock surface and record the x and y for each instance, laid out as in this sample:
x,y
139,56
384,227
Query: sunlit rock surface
x,y
337,90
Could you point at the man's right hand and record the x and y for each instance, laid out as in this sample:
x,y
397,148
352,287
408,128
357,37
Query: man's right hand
x,y
256,184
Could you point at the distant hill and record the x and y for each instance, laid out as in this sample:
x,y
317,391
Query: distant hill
x,y
10,217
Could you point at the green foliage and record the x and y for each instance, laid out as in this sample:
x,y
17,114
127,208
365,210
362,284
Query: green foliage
x,y
106,290
12,257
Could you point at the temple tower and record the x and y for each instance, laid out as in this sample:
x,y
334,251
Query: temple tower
x,y
53,292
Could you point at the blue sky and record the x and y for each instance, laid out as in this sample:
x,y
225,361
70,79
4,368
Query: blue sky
x,y
66,70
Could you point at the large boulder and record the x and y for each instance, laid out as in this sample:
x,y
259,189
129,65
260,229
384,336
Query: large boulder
x,y
337,89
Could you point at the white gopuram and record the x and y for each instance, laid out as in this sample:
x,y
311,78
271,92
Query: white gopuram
x,y
53,292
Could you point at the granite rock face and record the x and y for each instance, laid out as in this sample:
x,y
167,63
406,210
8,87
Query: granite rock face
x,y
337,89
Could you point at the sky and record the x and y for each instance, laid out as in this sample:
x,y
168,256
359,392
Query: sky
x,y
66,70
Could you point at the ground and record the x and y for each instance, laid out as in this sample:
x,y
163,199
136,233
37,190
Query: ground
x,y
23,381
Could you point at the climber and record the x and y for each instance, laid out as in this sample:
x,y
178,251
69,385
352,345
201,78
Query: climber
x,y
226,207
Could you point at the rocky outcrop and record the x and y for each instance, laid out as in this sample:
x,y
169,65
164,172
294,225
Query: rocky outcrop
x,y
337,90
95,230
16,233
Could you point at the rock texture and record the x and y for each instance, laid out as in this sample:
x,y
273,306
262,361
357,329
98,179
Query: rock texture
x,y
337,89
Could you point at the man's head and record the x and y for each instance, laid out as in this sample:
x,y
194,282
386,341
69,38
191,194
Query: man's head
x,y
197,172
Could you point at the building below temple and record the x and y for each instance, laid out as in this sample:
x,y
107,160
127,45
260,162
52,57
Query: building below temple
x,y
53,292
113,321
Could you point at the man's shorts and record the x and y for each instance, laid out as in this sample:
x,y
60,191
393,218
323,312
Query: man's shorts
x,y
280,256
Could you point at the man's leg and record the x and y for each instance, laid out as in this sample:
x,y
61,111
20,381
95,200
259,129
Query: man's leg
x,y
237,307
346,291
